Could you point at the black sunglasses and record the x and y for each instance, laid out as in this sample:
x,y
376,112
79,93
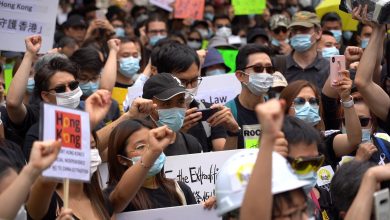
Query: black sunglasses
x,y
194,39
258,68
220,26
302,101
62,88
280,29
364,121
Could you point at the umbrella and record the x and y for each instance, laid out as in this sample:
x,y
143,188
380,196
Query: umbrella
x,y
326,6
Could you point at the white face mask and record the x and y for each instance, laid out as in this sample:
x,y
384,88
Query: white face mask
x,y
96,160
69,99
190,94
224,32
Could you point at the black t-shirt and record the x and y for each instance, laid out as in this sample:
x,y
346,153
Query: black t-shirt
x,y
31,136
184,144
159,198
17,132
247,120
198,131
330,112
326,148
121,85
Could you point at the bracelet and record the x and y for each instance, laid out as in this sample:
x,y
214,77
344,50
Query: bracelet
x,y
349,103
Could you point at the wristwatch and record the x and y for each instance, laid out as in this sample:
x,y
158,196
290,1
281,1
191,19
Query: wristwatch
x,y
234,134
349,103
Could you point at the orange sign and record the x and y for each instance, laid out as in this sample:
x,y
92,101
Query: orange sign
x,y
68,128
189,9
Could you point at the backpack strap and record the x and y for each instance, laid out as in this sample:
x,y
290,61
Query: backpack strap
x,y
383,147
180,193
205,124
233,107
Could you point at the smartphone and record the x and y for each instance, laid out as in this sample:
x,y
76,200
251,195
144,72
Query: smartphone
x,y
382,204
101,14
337,63
207,113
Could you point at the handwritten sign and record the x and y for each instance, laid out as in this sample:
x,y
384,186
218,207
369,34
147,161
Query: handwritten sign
x,y
189,212
198,171
72,127
19,19
247,7
213,89
164,4
189,9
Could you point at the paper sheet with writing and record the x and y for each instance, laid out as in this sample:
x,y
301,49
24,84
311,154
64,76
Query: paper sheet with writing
x,y
72,127
19,19
198,171
213,89
189,212
189,9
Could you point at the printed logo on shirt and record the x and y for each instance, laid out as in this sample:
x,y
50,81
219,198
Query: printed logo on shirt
x,y
251,135
324,175
68,129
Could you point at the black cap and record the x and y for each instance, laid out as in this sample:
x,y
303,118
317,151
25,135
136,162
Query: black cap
x,y
162,86
256,32
75,21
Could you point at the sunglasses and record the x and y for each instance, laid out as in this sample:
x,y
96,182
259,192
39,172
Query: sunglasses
x,y
258,68
194,39
62,88
220,26
305,165
302,101
281,29
364,121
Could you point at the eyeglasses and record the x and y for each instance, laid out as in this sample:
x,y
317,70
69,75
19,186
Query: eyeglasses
x,y
62,88
194,39
302,101
364,121
304,165
280,29
192,82
258,68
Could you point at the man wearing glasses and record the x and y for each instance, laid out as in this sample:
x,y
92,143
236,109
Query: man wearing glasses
x,y
304,63
254,70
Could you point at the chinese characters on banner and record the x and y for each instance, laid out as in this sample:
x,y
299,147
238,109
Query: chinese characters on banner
x,y
19,19
189,9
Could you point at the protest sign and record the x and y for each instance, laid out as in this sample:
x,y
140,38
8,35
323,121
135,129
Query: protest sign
x,y
189,212
229,57
72,127
198,171
189,9
248,7
164,4
213,89
19,19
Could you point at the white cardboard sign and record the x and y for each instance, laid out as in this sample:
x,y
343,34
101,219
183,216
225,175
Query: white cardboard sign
x,y
22,18
72,127
164,4
213,89
189,212
198,171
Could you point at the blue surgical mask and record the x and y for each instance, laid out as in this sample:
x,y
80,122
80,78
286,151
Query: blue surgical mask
x,y
30,85
301,42
89,87
276,43
196,45
347,35
310,177
120,32
260,83
129,66
364,42
157,166
154,39
172,117
366,135
327,52
337,34
209,16
308,113
215,72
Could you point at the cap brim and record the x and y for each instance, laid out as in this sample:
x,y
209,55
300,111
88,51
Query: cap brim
x,y
170,93
295,184
301,23
279,84
279,25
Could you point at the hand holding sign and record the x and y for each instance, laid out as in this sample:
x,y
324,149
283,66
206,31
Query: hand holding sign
x,y
97,105
33,44
43,154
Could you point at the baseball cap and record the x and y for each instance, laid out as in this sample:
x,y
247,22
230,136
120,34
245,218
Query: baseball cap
x,y
278,20
256,32
234,176
162,86
279,80
75,21
305,19
220,43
